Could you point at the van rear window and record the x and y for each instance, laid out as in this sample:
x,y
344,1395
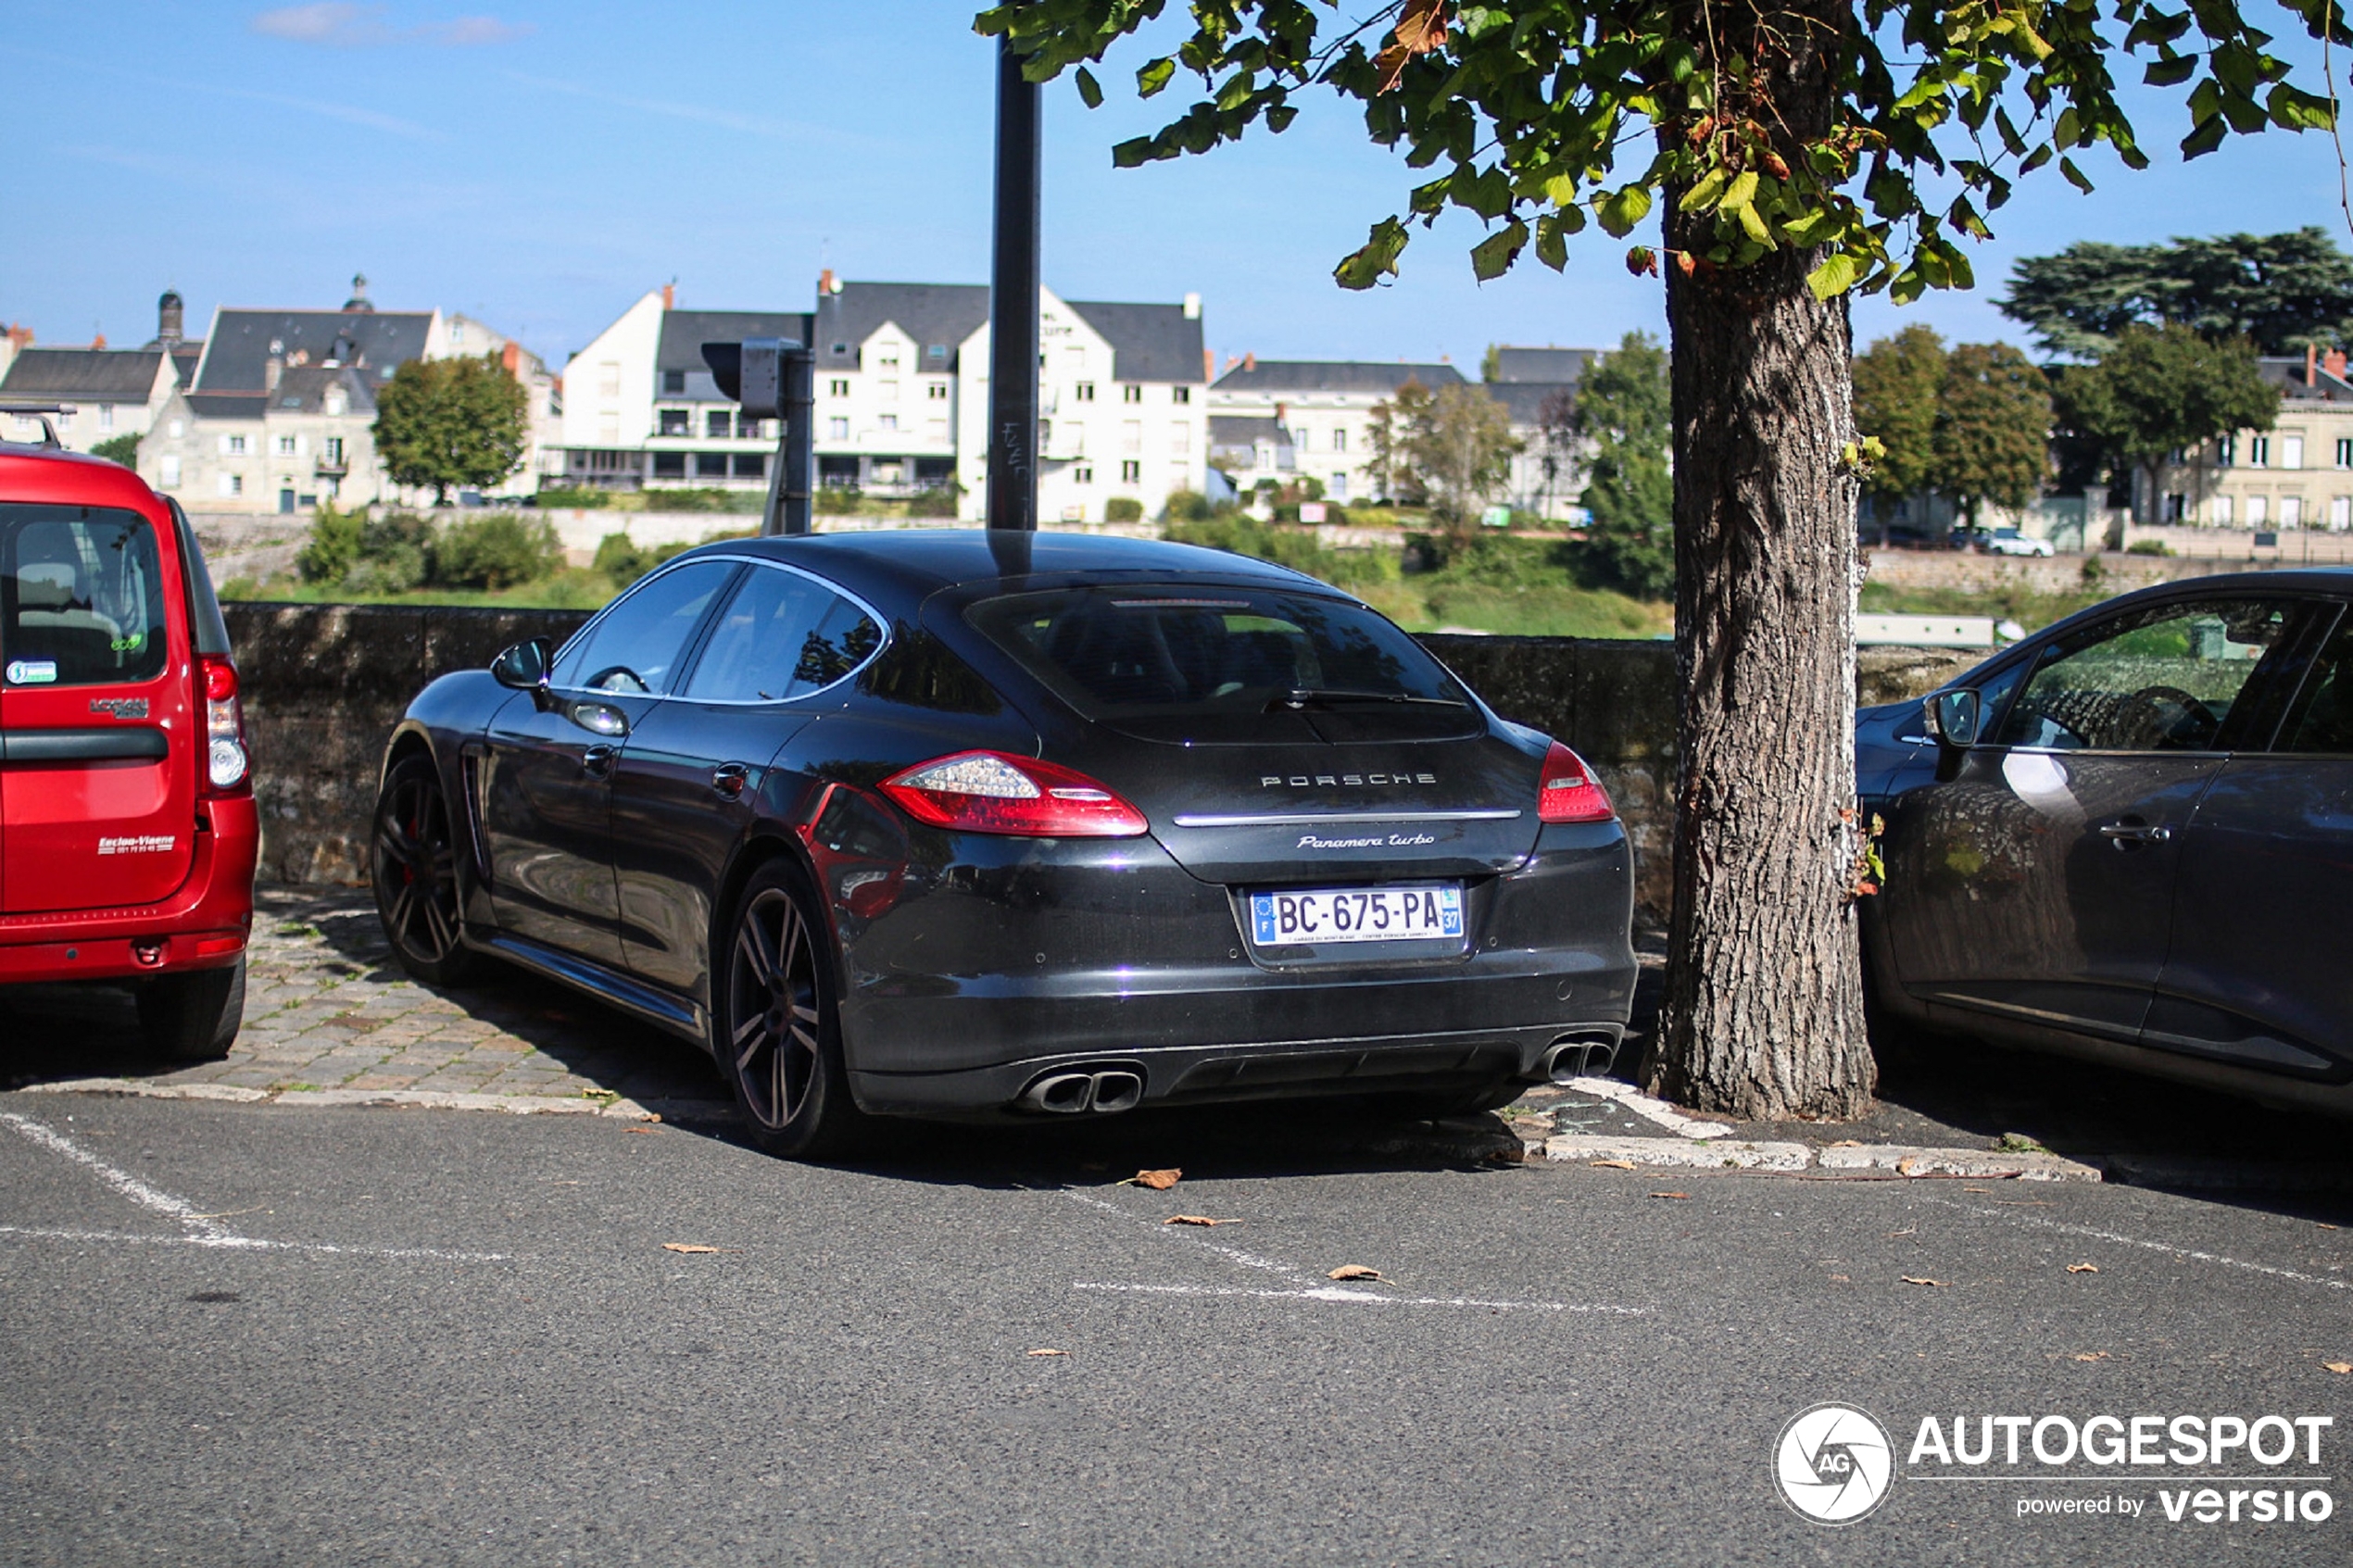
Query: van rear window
x,y
81,599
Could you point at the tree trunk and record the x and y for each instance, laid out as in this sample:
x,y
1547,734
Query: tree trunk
x,y
1763,1014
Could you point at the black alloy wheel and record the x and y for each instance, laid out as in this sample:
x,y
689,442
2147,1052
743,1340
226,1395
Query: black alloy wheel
x,y
413,864
776,1032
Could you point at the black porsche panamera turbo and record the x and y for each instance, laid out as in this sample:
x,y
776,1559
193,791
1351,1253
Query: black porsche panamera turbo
x,y
913,823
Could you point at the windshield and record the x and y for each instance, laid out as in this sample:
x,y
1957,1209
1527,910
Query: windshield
x,y
1220,660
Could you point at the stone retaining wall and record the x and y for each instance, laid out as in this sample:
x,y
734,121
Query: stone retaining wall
x,y
324,683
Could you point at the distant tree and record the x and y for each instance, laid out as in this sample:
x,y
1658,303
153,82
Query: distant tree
x,y
1991,440
1624,410
1490,364
452,422
334,544
2160,389
1453,447
1896,383
2280,292
1386,433
123,449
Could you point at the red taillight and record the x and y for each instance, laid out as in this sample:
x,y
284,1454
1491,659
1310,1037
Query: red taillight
x,y
1568,793
226,761
990,791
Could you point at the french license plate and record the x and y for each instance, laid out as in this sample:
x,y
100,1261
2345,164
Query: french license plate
x,y
1355,914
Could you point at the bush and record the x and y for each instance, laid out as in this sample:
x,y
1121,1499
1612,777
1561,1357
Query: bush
x,y
333,547
1122,509
835,500
497,551
2148,547
582,498
1190,505
705,499
123,449
938,502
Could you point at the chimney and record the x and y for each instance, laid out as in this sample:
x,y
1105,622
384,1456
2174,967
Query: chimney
x,y
827,283
99,340
2333,363
2311,364
510,357
669,296
1192,308
1208,365
1249,360
271,369
170,318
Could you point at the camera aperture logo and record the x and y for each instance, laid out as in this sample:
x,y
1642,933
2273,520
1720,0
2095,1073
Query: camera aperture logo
x,y
1835,1463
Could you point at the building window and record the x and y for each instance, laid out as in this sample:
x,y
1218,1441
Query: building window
x,y
333,445
1084,392
751,465
231,484
106,416
1337,489
675,421
711,465
171,472
838,387
1180,395
670,465
750,430
285,446
1180,440
2222,511
2291,511
1340,441
2291,451
887,391
1131,436
836,430
2258,510
719,424
935,433
888,421
2174,503
2343,453
2226,451
235,445
1131,471
177,428
609,378
936,354
889,361
1083,474
1131,393
2340,513
936,390
2259,451
674,384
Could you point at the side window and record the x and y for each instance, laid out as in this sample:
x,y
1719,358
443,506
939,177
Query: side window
x,y
2162,679
756,647
81,600
2321,722
635,647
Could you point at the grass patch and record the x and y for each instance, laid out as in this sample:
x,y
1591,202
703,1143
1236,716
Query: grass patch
x,y
573,588
2030,610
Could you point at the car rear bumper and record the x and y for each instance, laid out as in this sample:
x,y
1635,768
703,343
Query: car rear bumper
x,y
204,925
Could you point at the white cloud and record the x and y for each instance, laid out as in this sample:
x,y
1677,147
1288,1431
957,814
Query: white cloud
x,y
337,24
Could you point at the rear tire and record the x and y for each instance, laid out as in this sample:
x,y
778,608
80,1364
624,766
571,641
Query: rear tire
x,y
775,1022
193,1017
412,863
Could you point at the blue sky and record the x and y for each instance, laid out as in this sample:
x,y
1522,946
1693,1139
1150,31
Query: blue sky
x,y
541,165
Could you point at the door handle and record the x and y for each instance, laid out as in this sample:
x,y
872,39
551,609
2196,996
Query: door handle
x,y
2135,833
729,780
597,762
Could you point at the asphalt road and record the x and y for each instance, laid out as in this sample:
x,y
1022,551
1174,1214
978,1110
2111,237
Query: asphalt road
x,y
254,1335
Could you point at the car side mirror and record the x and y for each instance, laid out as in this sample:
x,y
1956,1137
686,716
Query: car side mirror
x,y
524,667
1953,718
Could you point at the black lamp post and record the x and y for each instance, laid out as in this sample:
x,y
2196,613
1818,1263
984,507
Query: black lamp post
x,y
1013,304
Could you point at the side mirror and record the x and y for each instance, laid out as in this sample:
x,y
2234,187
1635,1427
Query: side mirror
x,y
1953,718
522,667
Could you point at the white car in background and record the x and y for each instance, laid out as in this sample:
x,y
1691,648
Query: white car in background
x,y
2010,542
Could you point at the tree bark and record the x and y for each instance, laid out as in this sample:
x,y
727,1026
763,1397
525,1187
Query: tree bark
x,y
1763,1014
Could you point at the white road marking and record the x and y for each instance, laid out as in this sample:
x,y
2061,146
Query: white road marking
x,y
1364,1298
2089,1233
1644,1106
1309,1288
201,1230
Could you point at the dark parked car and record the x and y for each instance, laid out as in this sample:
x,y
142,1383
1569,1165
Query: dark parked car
x,y
2130,838
916,824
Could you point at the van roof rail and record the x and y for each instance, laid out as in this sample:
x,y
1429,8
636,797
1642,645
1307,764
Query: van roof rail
x,y
40,411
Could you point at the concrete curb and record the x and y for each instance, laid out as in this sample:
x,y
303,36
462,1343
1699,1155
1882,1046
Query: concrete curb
x,y
1897,1159
619,1107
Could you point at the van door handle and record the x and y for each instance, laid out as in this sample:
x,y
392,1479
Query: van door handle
x,y
730,779
597,762
2135,833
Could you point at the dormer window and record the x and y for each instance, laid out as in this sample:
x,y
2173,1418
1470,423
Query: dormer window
x,y
674,384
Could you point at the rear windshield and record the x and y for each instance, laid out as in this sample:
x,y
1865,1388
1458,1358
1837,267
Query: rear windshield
x,y
81,600
1124,654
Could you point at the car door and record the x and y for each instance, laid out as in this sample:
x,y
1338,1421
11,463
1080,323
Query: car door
x,y
99,742
548,758
2034,882
2257,973
692,773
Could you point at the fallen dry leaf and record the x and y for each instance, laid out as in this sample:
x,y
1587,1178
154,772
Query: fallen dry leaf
x,y
1845,1143
2340,1368
1841,1279
1612,1164
2083,1268
686,1246
1920,1279
1195,1219
2091,1355
1353,1271
1670,1194
1904,1166
1050,1352
2326,1227
645,1129
1159,1181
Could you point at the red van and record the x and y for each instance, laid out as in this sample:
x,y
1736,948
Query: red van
x,y
127,825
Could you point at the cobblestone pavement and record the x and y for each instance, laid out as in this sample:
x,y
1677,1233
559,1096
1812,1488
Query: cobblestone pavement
x,y
327,1010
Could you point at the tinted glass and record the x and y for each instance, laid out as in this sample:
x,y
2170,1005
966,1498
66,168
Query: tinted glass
x,y
2321,722
208,629
635,647
81,599
2162,679
780,636
1127,652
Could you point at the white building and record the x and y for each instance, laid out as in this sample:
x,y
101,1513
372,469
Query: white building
x,y
1538,388
901,398
113,392
1284,420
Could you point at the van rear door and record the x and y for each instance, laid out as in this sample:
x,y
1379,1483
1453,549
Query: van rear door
x,y
98,736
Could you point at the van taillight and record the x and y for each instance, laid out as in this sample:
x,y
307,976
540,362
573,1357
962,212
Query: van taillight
x,y
226,763
1568,792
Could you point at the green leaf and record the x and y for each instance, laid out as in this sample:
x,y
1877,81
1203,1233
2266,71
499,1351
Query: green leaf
x,y
1551,246
1700,197
1375,259
2205,138
1493,256
1833,277
1742,193
1561,190
1154,76
1089,90
2074,176
1620,210
2170,72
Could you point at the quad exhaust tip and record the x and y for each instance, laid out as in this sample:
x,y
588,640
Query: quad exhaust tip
x,y
1578,1057
1104,1091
